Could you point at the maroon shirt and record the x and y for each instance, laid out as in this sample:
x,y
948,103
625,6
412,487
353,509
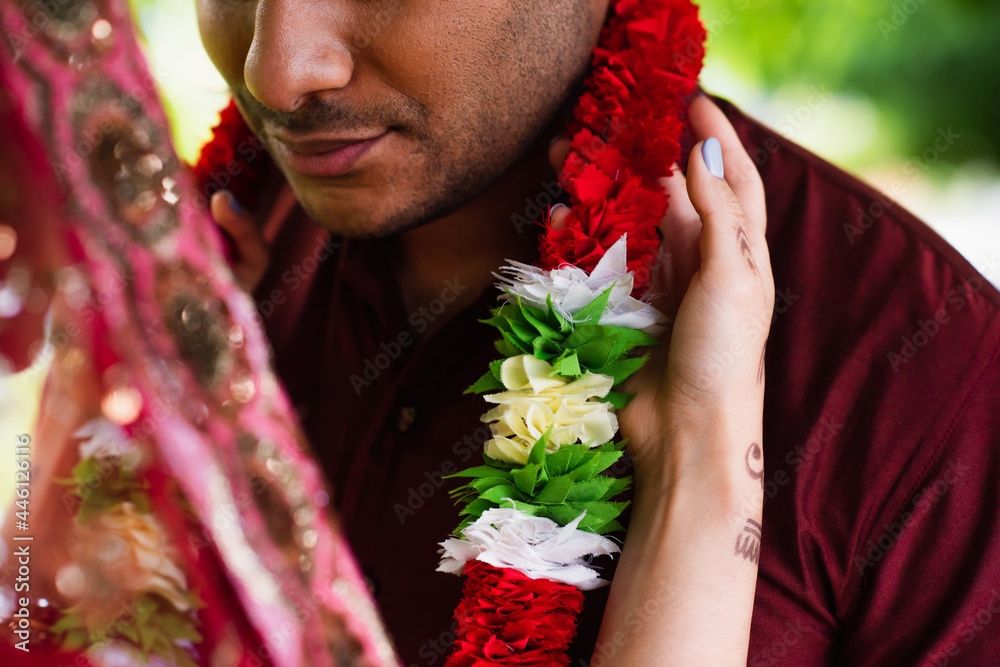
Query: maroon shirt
x,y
881,525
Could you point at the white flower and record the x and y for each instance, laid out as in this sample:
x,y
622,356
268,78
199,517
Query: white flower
x,y
536,399
106,440
571,289
534,546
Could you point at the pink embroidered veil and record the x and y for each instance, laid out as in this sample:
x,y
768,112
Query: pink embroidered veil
x,y
147,329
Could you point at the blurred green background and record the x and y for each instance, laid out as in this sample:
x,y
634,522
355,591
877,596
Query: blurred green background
x,y
866,84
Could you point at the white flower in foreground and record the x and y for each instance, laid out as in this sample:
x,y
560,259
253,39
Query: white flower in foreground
x,y
106,440
536,399
534,546
571,288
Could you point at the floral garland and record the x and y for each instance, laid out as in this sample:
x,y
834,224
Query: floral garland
x,y
131,598
538,509
535,512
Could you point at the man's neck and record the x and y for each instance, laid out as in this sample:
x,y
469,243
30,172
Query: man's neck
x,y
455,256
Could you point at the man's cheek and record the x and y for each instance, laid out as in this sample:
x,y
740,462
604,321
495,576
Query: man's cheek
x,y
226,30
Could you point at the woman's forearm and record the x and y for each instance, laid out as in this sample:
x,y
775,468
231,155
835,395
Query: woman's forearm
x,y
683,592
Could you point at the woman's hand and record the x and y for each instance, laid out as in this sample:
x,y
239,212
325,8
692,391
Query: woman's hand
x,y
683,592
713,280
252,255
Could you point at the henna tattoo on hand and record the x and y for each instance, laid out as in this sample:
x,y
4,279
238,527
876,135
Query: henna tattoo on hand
x,y
744,242
750,538
755,463
760,366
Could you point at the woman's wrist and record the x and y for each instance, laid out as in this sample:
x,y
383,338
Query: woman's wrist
x,y
721,453
688,547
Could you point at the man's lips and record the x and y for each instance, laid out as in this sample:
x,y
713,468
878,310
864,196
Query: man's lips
x,y
323,155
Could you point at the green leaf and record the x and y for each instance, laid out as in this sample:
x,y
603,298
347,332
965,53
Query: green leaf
x,y
589,490
147,636
478,471
75,640
537,453
523,332
623,368
527,508
526,478
568,365
532,316
626,339
593,311
146,607
619,485
618,399
484,484
555,491
521,346
477,507
163,647
497,493
69,621
488,382
131,632
546,347
83,470
141,501
496,368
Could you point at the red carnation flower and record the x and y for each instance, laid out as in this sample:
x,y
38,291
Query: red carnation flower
x,y
626,135
234,159
507,618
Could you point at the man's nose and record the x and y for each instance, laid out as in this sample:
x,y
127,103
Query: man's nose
x,y
299,49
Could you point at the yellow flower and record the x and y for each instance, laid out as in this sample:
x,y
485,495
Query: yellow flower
x,y
125,550
537,398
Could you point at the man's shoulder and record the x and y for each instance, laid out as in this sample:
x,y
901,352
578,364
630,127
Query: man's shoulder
x,y
883,343
811,200
865,290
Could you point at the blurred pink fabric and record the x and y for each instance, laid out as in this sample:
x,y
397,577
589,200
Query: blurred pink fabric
x,y
91,183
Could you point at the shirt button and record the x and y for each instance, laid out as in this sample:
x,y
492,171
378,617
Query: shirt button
x,y
407,415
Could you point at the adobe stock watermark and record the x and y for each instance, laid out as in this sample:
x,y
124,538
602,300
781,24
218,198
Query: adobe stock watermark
x,y
248,150
373,26
926,330
297,274
463,450
793,121
650,611
922,502
720,363
778,649
550,193
971,628
823,432
913,168
438,647
421,319
899,16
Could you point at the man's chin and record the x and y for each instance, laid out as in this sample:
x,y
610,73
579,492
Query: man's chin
x,y
357,219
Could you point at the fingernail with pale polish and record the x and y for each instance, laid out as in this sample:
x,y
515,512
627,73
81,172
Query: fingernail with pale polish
x,y
711,150
556,138
234,204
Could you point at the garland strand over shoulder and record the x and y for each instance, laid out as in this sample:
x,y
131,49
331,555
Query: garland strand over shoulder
x,y
535,512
